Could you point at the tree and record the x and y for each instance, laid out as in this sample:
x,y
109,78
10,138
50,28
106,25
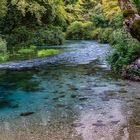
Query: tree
x,y
14,13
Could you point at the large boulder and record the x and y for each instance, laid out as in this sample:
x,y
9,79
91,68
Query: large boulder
x,y
132,71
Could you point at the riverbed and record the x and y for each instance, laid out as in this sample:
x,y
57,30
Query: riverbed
x,y
69,96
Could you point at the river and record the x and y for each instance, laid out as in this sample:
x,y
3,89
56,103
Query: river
x,y
70,96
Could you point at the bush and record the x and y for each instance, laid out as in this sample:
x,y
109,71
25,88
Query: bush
x,y
3,50
79,30
3,46
102,34
96,33
27,50
105,35
98,17
22,37
4,57
48,36
126,49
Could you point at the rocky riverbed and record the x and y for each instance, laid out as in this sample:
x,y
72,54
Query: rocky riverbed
x,y
70,96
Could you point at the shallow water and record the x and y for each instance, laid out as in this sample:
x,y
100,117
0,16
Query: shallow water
x,y
73,96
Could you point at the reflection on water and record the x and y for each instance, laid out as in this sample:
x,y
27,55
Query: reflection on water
x,y
76,98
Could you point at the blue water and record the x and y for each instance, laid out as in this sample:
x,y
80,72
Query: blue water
x,y
26,90
58,92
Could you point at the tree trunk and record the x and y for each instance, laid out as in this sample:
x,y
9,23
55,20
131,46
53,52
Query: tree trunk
x,y
132,18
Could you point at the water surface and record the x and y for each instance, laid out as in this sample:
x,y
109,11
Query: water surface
x,y
71,96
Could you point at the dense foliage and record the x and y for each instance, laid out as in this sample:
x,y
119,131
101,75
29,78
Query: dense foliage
x,y
26,23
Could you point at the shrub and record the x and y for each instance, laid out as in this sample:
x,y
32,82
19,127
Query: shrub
x,y
26,51
3,50
98,17
48,36
126,49
79,30
104,36
96,33
3,46
4,57
22,37
48,52
31,49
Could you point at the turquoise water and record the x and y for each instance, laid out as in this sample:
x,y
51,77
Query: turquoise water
x,y
61,94
53,83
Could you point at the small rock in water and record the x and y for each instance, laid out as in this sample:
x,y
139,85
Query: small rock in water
x,y
61,96
120,84
56,98
105,98
83,98
26,113
138,98
61,105
14,106
115,122
98,124
103,113
77,125
122,90
72,87
73,96
99,121
45,98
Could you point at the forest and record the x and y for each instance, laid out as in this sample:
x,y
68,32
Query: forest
x,y
69,69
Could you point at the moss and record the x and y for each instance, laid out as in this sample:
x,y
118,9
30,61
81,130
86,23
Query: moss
x,y
48,52
128,13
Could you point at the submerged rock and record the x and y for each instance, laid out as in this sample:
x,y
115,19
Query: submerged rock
x,y
77,124
72,87
115,122
26,113
98,124
14,105
83,98
73,96
61,105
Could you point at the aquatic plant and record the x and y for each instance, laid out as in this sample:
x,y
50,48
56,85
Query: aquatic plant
x,y
27,50
48,52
